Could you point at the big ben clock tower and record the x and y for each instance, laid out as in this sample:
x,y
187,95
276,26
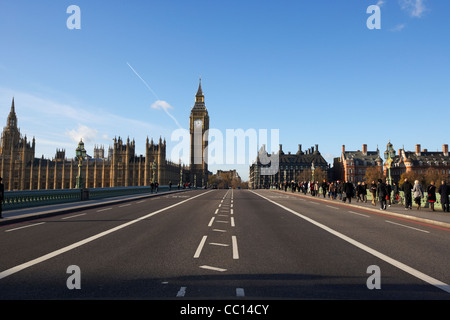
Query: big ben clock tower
x,y
199,125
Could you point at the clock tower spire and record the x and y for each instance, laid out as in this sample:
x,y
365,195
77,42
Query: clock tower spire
x,y
199,125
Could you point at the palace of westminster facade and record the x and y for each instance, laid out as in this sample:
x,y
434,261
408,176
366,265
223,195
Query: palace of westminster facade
x,y
21,170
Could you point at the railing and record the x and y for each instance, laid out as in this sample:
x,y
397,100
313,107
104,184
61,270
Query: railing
x,y
33,198
424,201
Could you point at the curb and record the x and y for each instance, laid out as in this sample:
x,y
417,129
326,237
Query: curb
x,y
405,216
56,212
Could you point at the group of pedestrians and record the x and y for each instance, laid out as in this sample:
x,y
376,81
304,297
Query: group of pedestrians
x,y
416,192
381,191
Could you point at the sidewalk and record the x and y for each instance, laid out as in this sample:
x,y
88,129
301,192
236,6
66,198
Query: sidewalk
x,y
19,215
424,215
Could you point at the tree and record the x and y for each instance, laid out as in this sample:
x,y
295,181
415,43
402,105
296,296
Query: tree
x,y
373,174
433,175
411,176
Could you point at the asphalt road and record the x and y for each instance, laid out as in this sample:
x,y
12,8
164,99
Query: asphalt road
x,y
224,244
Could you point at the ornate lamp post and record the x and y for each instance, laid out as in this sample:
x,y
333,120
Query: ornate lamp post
x,y
80,154
153,171
181,176
389,155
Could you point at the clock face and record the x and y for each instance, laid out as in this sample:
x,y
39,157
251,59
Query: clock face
x,y
198,123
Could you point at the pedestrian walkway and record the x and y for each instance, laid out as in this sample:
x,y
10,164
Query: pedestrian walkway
x,y
424,215
18,215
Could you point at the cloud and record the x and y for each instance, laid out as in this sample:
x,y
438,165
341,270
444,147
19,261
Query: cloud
x,y
381,3
159,104
415,8
82,133
58,124
398,27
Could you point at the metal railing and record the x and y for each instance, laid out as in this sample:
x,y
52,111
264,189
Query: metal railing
x,y
424,201
33,198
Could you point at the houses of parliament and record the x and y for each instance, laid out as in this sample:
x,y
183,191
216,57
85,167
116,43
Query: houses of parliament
x,y
21,170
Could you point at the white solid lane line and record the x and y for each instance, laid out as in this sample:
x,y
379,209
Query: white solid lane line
x,y
181,292
402,225
213,268
50,255
235,248
74,216
360,214
31,225
416,273
200,247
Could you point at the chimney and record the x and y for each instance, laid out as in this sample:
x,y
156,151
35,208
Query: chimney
x,y
417,149
343,148
317,148
364,149
445,150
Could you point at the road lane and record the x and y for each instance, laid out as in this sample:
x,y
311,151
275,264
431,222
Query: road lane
x,y
12,270
434,256
221,244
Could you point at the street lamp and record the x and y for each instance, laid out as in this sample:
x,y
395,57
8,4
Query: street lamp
x,y
80,154
389,155
153,171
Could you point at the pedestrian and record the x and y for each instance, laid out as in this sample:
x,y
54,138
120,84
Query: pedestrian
x,y
417,193
431,190
443,191
381,191
407,188
373,191
358,192
332,190
396,196
324,188
347,191
388,193
2,196
364,192
339,189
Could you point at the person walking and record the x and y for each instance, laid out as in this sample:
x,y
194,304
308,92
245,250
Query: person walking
x,y
339,189
373,191
407,188
358,192
417,193
396,196
324,188
443,191
381,191
332,190
431,190
2,196
364,192
347,191
388,193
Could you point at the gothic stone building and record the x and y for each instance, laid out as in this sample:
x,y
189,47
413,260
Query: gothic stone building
x,y
291,166
21,170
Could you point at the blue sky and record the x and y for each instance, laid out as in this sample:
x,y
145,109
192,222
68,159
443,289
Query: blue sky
x,y
311,69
